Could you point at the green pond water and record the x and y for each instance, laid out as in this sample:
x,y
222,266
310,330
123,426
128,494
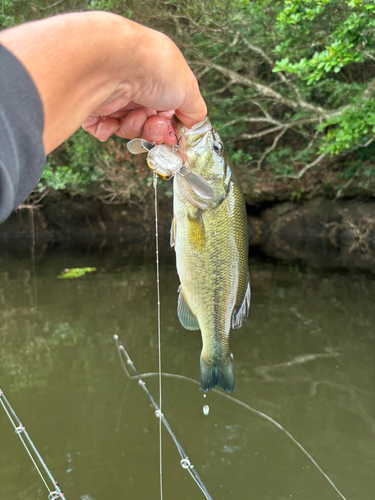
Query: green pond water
x,y
305,357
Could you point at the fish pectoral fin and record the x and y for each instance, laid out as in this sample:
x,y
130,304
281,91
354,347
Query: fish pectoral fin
x,y
173,232
186,317
241,313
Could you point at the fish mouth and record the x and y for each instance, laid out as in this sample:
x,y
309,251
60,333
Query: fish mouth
x,y
199,129
197,136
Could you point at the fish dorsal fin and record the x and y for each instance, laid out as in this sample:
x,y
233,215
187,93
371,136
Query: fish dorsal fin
x,y
173,232
241,313
186,317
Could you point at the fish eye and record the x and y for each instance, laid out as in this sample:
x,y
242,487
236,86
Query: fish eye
x,y
217,147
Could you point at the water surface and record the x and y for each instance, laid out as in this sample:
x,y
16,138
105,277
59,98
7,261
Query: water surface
x,y
305,358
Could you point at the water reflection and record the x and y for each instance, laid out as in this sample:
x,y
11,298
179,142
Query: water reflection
x,y
305,357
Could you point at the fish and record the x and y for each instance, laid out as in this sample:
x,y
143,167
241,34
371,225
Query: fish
x,y
210,238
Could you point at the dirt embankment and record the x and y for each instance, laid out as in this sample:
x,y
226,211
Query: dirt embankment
x,y
319,232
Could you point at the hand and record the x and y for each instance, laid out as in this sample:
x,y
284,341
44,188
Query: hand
x,y
104,64
131,122
162,88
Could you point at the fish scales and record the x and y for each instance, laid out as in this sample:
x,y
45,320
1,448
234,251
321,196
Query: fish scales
x,y
211,244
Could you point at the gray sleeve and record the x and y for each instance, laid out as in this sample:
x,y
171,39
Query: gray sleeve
x,y
21,134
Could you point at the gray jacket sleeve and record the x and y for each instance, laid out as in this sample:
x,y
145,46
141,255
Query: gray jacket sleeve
x,y
21,134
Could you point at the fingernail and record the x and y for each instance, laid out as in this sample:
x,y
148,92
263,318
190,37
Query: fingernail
x,y
138,125
156,131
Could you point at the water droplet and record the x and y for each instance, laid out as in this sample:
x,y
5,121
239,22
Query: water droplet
x,y
206,409
204,395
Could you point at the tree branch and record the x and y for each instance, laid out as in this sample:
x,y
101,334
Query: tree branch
x,y
280,74
49,6
267,91
286,125
369,90
251,120
309,146
271,148
302,172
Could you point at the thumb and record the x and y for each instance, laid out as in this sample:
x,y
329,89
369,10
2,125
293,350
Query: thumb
x,y
193,110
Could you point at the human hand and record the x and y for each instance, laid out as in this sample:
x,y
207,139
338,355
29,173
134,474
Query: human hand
x,y
131,122
159,87
104,64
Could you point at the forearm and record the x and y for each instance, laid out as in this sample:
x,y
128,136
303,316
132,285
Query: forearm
x,y
78,62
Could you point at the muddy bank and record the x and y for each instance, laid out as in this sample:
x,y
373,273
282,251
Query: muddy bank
x,y
319,233
83,225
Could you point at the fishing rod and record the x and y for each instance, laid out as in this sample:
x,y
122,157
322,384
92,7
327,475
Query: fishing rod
x,y
185,461
21,431
121,350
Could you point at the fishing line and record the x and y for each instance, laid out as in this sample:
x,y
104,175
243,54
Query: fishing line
x,y
121,406
121,349
185,461
155,184
52,495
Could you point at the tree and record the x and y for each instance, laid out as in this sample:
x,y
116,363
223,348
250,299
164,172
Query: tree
x,y
288,84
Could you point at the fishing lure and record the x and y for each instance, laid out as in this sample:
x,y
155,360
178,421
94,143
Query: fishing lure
x,y
167,163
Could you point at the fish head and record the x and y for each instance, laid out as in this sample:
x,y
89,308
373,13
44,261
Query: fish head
x,y
204,155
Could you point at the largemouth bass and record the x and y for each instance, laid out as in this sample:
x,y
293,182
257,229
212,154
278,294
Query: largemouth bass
x,y
209,234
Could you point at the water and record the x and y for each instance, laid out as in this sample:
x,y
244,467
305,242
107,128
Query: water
x,y
306,358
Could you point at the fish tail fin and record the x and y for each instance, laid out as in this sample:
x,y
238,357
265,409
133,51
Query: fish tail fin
x,y
217,372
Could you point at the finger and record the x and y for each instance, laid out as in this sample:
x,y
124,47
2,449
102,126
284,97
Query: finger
x,y
170,136
101,128
131,126
91,120
194,109
107,108
155,129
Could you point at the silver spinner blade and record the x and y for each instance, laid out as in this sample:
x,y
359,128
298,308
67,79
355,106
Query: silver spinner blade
x,y
199,185
137,146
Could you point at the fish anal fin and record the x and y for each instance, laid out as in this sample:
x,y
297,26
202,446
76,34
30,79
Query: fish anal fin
x,y
173,232
186,317
241,313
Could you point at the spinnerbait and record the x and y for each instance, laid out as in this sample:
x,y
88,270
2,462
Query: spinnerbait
x,y
167,162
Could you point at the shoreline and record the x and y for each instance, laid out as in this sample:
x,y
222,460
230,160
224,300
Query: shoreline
x,y
319,233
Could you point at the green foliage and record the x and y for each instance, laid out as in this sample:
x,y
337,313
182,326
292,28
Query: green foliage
x,y
349,38
81,153
351,170
280,161
8,13
239,156
351,129
58,177
297,194
369,172
343,40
